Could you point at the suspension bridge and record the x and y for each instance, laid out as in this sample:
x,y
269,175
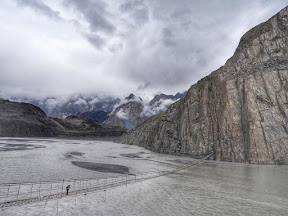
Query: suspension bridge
x,y
13,194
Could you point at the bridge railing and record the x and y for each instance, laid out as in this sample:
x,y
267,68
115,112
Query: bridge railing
x,y
17,192
21,192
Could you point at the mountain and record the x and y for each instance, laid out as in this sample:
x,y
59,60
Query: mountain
x,y
132,111
75,105
99,115
161,97
128,113
100,108
22,119
84,127
27,120
161,102
240,111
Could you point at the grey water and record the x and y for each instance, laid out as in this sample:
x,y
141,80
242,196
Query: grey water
x,y
34,160
210,188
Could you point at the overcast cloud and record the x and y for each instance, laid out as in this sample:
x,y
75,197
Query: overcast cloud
x,y
115,47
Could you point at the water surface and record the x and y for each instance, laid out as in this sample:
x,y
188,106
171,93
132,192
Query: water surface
x,y
211,188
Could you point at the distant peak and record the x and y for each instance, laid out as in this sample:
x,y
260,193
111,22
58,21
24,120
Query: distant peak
x,y
130,97
180,95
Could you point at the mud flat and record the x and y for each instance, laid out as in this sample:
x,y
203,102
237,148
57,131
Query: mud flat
x,y
17,147
101,167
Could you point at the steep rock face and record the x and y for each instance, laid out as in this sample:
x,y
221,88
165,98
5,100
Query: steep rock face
x,y
240,111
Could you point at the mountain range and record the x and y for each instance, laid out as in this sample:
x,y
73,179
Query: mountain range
x,y
74,105
23,119
132,111
126,113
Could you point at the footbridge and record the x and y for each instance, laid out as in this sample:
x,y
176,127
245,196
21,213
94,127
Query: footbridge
x,y
12,194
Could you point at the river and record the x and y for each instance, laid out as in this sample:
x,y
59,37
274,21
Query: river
x,y
210,188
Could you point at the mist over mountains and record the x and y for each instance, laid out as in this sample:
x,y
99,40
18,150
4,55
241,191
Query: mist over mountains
x,y
126,113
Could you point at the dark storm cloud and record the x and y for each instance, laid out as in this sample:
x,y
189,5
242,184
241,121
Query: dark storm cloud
x,y
187,40
137,9
150,45
95,14
39,6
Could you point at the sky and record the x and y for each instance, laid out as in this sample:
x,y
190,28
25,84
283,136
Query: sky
x,y
52,48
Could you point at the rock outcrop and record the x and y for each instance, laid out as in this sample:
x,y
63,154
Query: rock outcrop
x,y
27,120
240,111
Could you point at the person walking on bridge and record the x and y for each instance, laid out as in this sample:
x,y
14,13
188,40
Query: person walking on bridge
x,y
67,189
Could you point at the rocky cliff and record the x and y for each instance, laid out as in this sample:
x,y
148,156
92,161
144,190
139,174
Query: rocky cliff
x,y
240,111
27,120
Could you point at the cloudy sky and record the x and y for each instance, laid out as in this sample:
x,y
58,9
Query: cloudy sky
x,y
114,47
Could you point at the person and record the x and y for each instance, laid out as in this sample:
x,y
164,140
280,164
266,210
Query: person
x,y
67,189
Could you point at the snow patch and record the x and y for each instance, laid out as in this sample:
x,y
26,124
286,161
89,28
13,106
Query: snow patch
x,y
122,115
160,106
137,99
80,101
93,101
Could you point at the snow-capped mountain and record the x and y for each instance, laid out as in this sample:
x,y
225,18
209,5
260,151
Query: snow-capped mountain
x,y
133,111
126,113
78,105
75,105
